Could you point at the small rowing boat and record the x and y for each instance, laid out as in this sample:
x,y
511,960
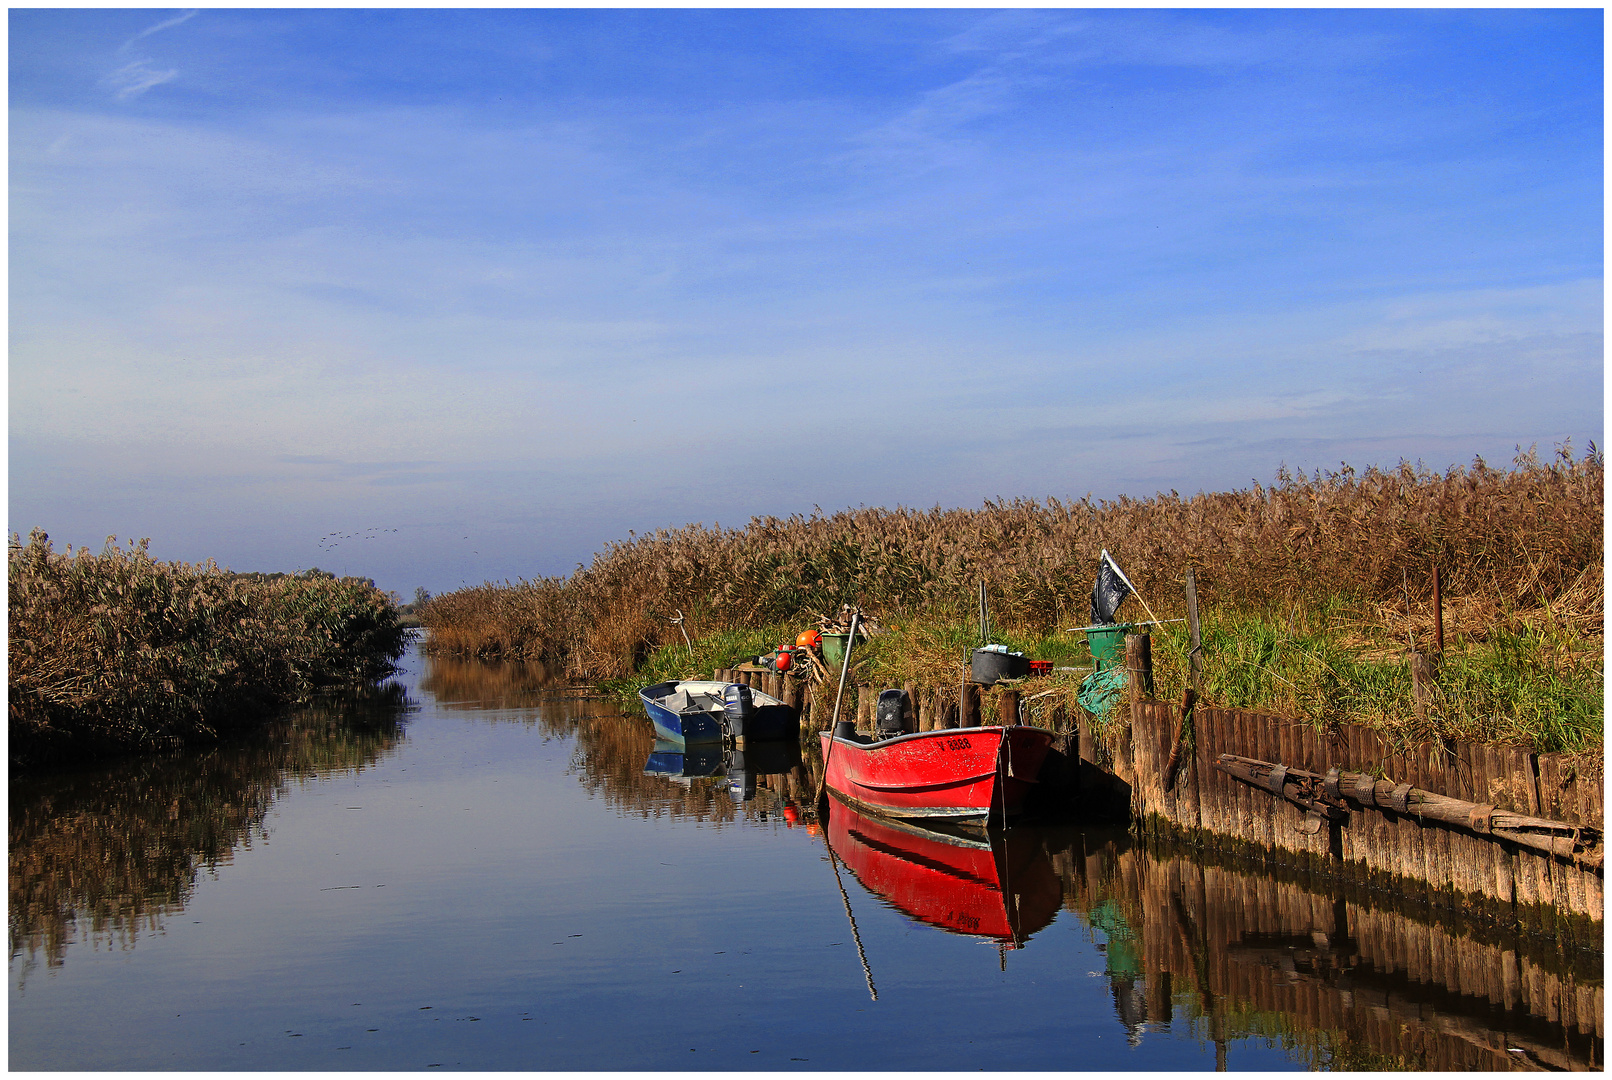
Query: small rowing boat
x,y
694,711
967,775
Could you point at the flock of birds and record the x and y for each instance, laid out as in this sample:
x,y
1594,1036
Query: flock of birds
x,y
330,541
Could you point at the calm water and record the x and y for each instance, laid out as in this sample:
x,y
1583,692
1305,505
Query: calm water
x,y
468,870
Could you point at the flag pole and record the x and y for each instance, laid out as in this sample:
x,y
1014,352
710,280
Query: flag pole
x,y
1109,559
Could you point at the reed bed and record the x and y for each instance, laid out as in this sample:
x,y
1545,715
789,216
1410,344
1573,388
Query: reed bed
x,y
1343,554
117,652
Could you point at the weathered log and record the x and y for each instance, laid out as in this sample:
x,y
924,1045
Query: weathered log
x,y
1331,794
1189,698
1295,785
1007,707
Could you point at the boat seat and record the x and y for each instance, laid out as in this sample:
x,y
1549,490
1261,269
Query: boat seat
x,y
676,702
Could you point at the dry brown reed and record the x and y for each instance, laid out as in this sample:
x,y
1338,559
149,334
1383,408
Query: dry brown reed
x,y
117,652
1507,540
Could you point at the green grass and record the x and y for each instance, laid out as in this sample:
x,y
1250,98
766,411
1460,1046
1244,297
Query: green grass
x,y
1532,684
1535,684
722,650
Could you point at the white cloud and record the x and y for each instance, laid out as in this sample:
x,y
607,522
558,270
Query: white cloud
x,y
164,25
136,77
139,75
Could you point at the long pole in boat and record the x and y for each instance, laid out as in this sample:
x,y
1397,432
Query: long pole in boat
x,y
845,668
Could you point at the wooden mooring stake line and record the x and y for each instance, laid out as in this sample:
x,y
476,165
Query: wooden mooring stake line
x,y
1328,797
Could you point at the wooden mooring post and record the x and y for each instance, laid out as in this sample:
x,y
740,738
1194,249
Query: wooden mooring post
x,y
968,706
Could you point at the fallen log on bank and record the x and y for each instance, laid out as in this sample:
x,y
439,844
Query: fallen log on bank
x,y
1329,798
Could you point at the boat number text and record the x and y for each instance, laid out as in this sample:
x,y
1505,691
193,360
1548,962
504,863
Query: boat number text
x,y
957,744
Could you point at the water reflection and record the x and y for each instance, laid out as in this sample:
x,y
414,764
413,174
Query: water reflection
x,y
1219,950
105,854
1342,979
999,886
1234,952
525,692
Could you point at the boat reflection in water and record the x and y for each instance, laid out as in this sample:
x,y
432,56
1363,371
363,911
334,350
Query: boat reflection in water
x,y
998,885
684,764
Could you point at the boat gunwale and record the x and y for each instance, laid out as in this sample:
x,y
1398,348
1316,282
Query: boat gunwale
x,y
909,736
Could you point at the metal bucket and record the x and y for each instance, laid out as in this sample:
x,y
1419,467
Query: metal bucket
x,y
986,668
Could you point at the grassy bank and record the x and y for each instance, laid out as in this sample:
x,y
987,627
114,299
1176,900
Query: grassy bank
x,y
116,652
1312,590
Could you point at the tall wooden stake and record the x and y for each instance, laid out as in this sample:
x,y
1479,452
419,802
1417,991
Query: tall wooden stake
x,y
1438,613
1190,696
1195,657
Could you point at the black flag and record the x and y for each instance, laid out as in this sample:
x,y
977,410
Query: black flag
x,y
1109,592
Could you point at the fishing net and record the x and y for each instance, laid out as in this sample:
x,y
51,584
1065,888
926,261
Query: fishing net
x,y
1101,690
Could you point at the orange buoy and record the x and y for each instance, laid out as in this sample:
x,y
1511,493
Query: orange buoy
x,y
809,639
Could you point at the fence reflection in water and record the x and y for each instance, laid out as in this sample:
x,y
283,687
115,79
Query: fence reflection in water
x,y
1354,984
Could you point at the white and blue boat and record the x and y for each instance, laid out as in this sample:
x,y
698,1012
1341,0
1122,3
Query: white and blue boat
x,y
696,711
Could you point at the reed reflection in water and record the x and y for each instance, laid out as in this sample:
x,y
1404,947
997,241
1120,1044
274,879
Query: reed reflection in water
x,y
101,856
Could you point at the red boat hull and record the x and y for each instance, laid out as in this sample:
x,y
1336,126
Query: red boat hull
x,y
950,775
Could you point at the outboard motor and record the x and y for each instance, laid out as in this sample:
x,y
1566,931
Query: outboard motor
x,y
737,707
891,715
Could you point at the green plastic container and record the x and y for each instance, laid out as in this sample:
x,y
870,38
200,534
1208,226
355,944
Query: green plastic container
x,y
1108,645
834,649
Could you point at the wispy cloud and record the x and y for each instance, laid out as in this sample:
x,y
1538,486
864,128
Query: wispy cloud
x,y
139,75
136,77
164,25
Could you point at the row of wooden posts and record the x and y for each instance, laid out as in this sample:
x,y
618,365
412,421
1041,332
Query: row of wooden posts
x,y
968,705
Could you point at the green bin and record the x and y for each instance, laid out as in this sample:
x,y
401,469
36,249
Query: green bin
x,y
1108,645
834,649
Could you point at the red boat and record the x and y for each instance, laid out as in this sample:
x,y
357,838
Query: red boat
x,y
1000,887
955,774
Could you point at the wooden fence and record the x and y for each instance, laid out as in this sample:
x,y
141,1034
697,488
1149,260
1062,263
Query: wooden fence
x,y
1428,861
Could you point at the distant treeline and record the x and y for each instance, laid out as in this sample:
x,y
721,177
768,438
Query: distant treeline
x,y
1527,537
116,652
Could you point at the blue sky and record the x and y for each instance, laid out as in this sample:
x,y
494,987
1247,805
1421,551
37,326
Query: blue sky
x,y
513,283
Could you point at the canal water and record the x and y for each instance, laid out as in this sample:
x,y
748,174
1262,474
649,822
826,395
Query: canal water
x,y
471,868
